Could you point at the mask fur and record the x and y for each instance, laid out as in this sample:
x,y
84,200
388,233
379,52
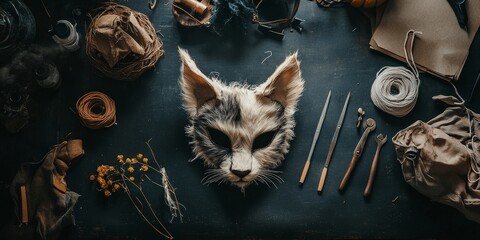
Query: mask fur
x,y
242,132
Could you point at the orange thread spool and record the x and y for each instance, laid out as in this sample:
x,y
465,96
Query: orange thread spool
x,y
196,6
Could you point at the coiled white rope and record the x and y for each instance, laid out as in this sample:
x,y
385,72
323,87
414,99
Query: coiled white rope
x,y
395,89
72,41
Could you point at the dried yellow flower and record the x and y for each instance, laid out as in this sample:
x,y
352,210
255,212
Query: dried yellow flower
x,y
107,193
134,160
145,160
100,180
128,160
119,157
131,169
116,186
92,177
111,168
144,168
139,156
131,179
109,182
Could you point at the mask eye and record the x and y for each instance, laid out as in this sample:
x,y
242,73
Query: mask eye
x,y
219,138
263,140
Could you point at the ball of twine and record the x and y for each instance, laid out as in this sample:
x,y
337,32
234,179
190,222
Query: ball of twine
x,y
128,68
96,110
395,90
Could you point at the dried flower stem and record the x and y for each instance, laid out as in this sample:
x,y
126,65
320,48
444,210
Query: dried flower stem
x,y
129,175
169,192
129,194
146,200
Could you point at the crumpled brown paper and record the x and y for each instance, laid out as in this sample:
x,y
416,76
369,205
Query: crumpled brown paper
x,y
447,166
122,43
442,49
113,41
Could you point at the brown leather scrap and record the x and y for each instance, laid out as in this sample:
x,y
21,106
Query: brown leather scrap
x,y
41,194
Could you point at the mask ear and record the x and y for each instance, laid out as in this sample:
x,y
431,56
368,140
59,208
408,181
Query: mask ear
x,y
285,86
197,89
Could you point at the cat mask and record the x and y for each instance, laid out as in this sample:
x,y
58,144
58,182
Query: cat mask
x,y
241,132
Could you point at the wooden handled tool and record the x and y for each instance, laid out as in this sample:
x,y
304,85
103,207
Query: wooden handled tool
x,y
381,139
370,126
315,137
332,145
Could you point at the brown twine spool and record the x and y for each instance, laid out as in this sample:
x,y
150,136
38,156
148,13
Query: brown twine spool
x,y
197,7
192,13
98,44
96,110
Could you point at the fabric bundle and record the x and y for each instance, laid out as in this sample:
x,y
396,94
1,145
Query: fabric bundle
x,y
441,158
43,204
234,16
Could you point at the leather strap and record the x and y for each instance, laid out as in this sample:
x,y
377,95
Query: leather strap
x,y
23,197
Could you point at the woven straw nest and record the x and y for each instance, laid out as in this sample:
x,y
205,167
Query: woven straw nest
x,y
121,43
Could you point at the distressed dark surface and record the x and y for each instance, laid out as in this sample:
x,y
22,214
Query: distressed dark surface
x,y
335,55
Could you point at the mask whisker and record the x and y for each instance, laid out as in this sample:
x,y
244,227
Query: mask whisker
x,y
271,171
274,176
223,181
212,175
209,176
268,178
216,179
261,178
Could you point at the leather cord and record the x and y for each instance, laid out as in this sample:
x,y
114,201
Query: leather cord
x,y
96,110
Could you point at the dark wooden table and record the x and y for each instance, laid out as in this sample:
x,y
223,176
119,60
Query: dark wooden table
x,y
335,55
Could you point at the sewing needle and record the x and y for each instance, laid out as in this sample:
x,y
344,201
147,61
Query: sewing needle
x,y
315,138
332,145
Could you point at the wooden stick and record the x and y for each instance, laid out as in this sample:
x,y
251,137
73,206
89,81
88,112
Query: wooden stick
x,y
23,193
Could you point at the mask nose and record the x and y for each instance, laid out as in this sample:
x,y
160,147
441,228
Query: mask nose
x,y
241,174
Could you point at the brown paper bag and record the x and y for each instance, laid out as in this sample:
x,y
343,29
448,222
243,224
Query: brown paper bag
x,y
442,48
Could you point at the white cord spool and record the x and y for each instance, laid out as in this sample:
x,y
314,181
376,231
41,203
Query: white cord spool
x,y
395,89
66,35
